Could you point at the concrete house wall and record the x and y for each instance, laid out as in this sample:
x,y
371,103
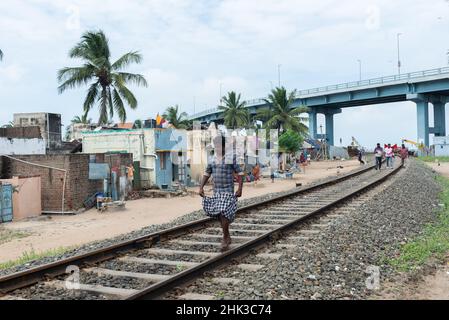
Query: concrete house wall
x,y
78,186
27,200
49,123
196,155
139,142
11,146
441,146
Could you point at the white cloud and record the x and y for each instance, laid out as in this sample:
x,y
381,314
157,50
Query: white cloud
x,y
190,47
12,73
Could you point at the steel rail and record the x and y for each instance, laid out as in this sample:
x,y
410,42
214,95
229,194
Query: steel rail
x,y
159,288
31,276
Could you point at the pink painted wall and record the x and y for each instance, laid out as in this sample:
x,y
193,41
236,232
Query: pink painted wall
x,y
27,202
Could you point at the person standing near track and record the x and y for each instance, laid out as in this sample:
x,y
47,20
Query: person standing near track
x,y
389,155
223,204
403,154
360,156
379,153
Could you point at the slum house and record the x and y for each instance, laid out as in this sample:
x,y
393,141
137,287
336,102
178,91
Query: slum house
x,y
49,124
69,180
159,153
21,141
50,131
441,146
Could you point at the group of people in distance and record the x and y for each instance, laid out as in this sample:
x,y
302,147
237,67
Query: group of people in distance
x,y
389,153
223,204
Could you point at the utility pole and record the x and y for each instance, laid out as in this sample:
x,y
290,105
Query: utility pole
x,y
360,69
279,75
399,57
221,97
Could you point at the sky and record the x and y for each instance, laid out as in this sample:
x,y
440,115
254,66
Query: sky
x,y
195,49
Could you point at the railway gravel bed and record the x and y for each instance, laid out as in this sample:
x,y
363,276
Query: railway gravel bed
x,y
138,233
334,263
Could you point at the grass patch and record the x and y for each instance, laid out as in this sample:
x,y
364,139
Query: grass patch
x,y
434,159
433,243
8,235
32,255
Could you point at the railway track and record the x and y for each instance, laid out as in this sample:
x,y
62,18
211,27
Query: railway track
x,y
154,266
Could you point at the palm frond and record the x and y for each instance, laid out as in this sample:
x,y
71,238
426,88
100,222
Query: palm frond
x,y
126,60
73,77
119,105
131,78
91,98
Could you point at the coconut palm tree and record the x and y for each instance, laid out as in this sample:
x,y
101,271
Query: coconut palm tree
x,y
83,119
76,120
10,124
234,112
280,115
138,124
178,120
107,82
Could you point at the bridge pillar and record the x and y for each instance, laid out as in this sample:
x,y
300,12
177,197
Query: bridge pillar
x,y
439,116
313,124
422,110
329,120
329,128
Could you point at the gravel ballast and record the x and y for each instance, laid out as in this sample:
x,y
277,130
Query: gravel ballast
x,y
336,264
138,233
332,265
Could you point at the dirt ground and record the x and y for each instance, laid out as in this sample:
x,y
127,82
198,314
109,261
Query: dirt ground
x,y
430,287
442,169
67,231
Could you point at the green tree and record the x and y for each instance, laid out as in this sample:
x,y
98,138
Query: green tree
x,y
76,120
290,141
83,119
235,114
178,120
280,115
107,82
138,124
10,124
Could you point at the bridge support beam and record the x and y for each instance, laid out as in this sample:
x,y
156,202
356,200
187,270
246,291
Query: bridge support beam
x,y
329,128
422,109
439,116
329,121
313,124
422,112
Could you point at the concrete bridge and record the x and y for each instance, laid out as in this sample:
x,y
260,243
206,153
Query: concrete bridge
x,y
422,87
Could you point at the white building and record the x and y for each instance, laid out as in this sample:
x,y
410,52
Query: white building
x,y
441,146
15,146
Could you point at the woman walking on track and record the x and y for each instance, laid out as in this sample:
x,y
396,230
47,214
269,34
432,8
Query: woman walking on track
x,y
223,204
403,154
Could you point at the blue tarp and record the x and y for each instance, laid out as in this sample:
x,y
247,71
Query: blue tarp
x,y
98,171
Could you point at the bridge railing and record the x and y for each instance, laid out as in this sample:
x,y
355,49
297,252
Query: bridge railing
x,y
382,80
347,85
